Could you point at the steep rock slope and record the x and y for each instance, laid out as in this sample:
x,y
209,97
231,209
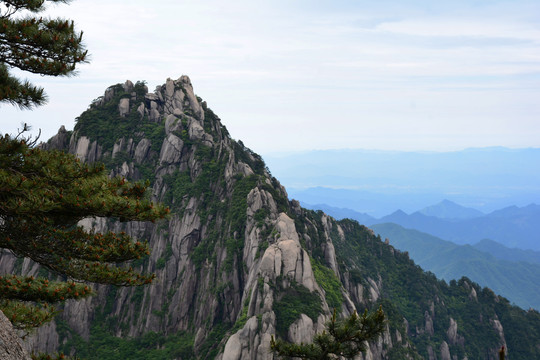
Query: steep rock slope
x,y
237,262
11,347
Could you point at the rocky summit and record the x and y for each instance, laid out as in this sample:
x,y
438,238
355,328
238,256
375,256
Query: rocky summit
x,y
237,262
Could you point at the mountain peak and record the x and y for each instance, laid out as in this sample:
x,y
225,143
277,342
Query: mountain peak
x,y
447,209
237,262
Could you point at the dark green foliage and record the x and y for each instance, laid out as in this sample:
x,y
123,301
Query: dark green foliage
x,y
210,348
204,153
237,210
104,345
147,173
247,156
260,215
44,196
521,330
180,185
41,45
242,319
154,132
237,217
58,356
103,122
331,285
342,338
291,303
410,292
117,161
518,281
410,287
150,346
280,198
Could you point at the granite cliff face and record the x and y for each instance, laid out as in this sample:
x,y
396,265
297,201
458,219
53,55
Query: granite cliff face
x,y
237,262
11,346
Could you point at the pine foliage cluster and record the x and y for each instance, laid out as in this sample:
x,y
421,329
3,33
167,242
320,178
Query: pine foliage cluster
x,y
35,44
342,338
44,194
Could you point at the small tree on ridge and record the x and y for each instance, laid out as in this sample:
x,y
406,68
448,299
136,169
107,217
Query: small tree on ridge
x,y
342,338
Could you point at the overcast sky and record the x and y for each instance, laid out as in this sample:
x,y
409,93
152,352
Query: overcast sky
x,y
298,75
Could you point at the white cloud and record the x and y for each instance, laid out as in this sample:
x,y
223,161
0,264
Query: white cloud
x,y
477,27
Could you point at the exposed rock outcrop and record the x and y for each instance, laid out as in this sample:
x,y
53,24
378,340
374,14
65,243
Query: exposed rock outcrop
x,y
429,324
58,141
171,151
123,107
11,347
445,351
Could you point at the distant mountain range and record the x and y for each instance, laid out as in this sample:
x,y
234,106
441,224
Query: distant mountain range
x,y
379,182
508,275
447,209
507,270
341,213
513,227
502,252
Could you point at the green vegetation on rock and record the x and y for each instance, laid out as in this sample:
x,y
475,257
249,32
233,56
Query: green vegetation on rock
x,y
409,292
331,285
345,338
103,122
291,303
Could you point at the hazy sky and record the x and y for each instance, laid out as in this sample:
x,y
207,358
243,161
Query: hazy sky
x,y
297,75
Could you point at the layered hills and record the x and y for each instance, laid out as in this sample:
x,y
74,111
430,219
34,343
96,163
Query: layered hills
x,y
379,182
237,262
447,209
512,226
512,273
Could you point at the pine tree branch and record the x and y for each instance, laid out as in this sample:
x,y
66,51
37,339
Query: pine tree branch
x,y
342,338
22,94
38,45
43,195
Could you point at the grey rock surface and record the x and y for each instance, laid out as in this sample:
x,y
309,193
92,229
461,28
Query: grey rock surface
x,y
11,347
123,107
171,150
